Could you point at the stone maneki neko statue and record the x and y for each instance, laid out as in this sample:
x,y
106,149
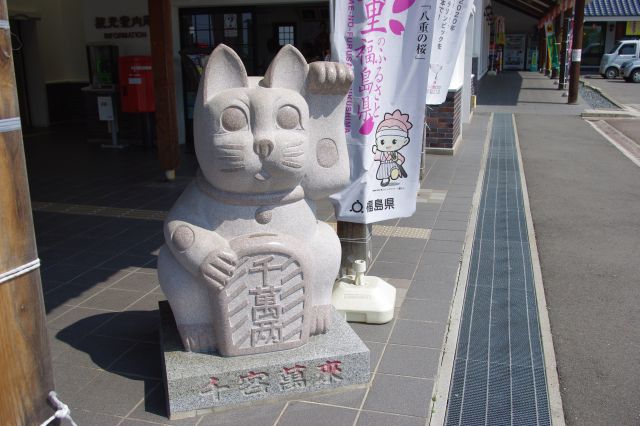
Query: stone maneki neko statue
x,y
247,268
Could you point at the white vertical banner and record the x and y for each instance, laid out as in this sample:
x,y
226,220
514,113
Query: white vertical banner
x,y
449,30
387,42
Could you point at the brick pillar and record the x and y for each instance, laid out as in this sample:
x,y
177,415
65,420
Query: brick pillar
x,y
442,125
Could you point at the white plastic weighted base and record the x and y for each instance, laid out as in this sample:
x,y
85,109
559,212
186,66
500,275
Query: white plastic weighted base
x,y
363,298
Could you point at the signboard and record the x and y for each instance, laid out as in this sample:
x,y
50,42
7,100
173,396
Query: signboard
x,y
449,32
552,47
633,28
105,108
389,45
231,25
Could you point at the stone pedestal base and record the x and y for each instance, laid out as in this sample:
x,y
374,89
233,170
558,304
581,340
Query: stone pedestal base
x,y
197,383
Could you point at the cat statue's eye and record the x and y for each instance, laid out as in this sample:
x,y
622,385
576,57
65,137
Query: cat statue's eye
x,y
233,119
288,118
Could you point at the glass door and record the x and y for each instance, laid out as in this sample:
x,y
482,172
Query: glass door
x,y
201,30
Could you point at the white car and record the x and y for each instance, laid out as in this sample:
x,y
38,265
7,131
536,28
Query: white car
x,y
631,71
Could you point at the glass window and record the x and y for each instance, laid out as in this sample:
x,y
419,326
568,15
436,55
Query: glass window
x,y
286,34
628,49
615,47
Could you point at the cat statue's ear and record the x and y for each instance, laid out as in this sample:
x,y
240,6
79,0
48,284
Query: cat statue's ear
x,y
225,70
288,70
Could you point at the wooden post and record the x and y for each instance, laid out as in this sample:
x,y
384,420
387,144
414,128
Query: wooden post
x,y
25,361
566,17
542,50
164,85
574,74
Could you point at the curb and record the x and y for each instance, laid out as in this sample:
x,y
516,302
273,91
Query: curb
x,y
439,401
625,112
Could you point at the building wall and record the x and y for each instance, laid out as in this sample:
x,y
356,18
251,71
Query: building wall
x,y
130,8
60,36
481,39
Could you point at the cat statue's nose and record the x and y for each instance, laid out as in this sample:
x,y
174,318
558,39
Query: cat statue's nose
x,y
263,147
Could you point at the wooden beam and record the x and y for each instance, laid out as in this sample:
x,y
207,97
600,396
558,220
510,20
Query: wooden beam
x,y
25,361
520,7
164,85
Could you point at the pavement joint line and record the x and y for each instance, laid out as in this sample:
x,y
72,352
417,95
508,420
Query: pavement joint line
x,y
275,423
553,383
117,212
624,142
438,407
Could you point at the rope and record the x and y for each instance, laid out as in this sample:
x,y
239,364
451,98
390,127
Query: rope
x,y
20,270
62,410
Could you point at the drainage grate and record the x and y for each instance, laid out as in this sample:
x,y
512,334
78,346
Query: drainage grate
x,y
498,375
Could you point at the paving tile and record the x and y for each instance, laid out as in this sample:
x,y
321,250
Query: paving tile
x,y
148,302
372,418
110,393
422,288
99,277
259,414
141,360
78,322
375,353
381,268
416,333
441,234
398,282
450,225
70,379
404,244
350,398
399,395
138,325
407,257
62,273
440,246
112,300
302,413
439,260
83,417
53,310
154,409
70,294
127,262
95,352
86,259
137,281
410,361
425,310
372,332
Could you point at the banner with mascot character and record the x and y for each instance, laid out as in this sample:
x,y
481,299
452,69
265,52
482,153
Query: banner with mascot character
x,y
390,45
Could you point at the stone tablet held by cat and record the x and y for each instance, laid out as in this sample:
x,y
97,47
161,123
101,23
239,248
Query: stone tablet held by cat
x,y
247,267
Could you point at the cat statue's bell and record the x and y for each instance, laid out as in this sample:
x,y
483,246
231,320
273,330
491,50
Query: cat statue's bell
x,y
364,298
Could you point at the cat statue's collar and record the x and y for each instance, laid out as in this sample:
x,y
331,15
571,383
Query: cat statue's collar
x,y
270,199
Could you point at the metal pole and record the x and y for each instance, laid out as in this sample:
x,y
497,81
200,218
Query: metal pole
x,y
25,361
574,74
566,18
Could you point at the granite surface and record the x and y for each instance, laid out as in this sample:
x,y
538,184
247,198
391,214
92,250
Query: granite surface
x,y
196,383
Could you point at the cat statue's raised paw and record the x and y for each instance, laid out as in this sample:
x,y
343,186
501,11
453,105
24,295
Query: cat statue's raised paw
x,y
246,267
